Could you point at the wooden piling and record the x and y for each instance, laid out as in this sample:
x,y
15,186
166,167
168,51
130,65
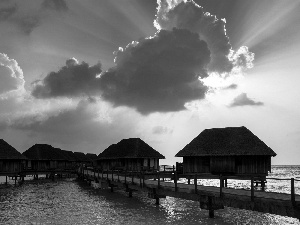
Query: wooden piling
x,y
293,191
221,185
175,180
195,183
252,189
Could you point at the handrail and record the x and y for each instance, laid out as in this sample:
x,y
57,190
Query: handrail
x,y
196,176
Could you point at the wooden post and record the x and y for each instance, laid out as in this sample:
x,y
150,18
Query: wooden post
x,y
125,175
107,175
221,185
140,178
156,201
210,208
98,175
226,182
94,175
102,173
189,180
112,175
6,180
175,180
293,191
158,180
15,181
252,189
195,183
173,168
143,180
118,176
132,181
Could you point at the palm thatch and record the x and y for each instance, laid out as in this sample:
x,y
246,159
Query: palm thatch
x,y
81,157
9,152
91,156
130,148
69,155
226,142
44,152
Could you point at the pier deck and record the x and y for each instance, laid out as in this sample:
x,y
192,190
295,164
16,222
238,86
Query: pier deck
x,y
210,197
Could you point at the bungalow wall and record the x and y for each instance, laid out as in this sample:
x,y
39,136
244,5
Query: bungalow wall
x,y
135,164
10,166
239,165
196,164
253,164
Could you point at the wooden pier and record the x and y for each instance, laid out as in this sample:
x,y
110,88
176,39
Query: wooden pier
x,y
211,198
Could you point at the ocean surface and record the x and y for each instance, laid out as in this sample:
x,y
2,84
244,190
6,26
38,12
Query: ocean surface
x,y
69,201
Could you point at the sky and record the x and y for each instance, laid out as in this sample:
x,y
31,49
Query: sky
x,y
82,75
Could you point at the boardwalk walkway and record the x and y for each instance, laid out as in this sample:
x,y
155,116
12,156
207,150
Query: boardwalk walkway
x,y
210,197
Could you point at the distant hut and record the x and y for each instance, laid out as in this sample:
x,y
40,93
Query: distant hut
x,y
130,154
230,150
92,157
44,157
11,161
82,159
71,159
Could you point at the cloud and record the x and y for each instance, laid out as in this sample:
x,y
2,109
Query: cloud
x,y
188,15
73,79
11,75
57,5
161,130
243,100
159,74
7,12
230,87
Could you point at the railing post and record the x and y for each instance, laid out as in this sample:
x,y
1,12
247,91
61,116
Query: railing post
x,y
221,185
143,179
195,183
132,177
158,180
175,180
125,175
293,191
252,189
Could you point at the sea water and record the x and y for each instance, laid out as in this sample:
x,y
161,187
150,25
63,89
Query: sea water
x,y
69,201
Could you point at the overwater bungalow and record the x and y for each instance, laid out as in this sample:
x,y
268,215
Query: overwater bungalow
x,y
71,159
227,151
11,161
93,158
82,159
129,154
43,157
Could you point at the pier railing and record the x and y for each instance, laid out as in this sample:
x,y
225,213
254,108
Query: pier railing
x,y
160,176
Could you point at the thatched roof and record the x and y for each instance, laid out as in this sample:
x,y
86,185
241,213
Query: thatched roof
x,y
91,156
44,152
69,155
226,141
130,148
9,152
81,157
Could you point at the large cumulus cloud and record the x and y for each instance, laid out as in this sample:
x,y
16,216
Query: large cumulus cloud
x,y
158,74
11,75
